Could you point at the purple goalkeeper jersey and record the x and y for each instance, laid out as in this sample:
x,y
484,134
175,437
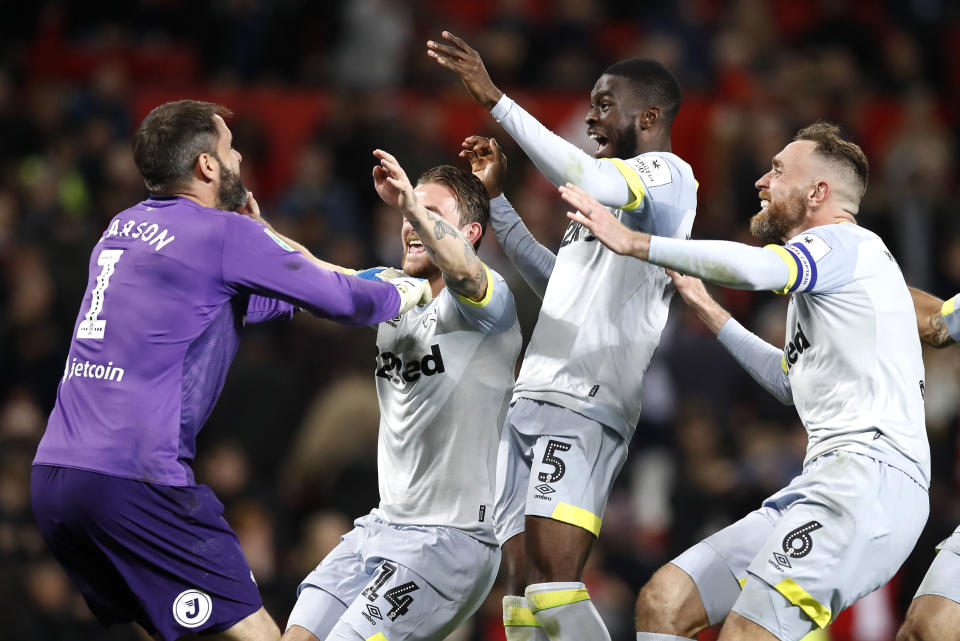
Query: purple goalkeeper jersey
x,y
171,284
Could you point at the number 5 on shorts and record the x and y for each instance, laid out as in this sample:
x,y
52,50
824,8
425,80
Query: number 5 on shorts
x,y
548,458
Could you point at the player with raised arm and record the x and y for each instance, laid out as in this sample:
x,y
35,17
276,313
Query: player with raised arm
x,y
577,398
853,369
171,284
424,560
934,614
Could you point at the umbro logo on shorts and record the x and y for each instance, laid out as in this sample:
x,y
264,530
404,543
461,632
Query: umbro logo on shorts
x,y
374,611
543,489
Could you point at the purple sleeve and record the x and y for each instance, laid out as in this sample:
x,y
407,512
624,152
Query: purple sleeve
x,y
258,261
261,309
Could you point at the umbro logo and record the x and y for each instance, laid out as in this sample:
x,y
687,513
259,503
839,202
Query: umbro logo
x,y
781,559
374,611
543,488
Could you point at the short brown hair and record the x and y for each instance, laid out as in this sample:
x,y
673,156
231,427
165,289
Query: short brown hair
x,y
472,200
832,146
168,141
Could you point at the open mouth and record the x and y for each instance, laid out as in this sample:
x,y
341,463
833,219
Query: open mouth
x,y
415,246
602,144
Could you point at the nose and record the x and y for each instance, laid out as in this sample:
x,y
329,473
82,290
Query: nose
x,y
591,116
239,157
763,181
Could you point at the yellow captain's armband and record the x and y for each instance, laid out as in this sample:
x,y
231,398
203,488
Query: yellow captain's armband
x,y
487,297
791,265
633,182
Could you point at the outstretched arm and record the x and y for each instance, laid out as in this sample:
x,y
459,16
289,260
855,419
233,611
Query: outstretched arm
x,y
725,263
558,160
534,261
447,246
251,209
760,359
932,318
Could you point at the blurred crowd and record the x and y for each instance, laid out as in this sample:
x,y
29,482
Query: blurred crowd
x,y
291,446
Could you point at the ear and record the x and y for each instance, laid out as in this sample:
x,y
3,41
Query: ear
x,y
205,167
818,194
472,231
648,117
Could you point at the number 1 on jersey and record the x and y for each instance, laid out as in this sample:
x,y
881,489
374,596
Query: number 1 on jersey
x,y
91,326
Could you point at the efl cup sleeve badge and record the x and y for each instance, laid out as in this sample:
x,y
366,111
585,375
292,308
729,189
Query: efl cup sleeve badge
x,y
654,170
192,608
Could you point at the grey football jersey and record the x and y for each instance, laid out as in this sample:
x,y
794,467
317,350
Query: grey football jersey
x,y
602,313
852,352
444,378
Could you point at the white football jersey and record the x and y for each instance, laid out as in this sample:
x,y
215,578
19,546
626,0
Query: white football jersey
x,y
852,352
602,313
444,378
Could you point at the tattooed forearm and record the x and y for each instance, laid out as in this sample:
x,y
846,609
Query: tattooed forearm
x,y
473,286
938,335
442,228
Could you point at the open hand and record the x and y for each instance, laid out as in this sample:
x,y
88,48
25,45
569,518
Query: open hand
x,y
391,182
602,224
487,162
461,58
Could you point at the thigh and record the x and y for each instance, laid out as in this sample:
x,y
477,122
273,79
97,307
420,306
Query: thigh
x,y
574,466
426,582
345,571
513,474
943,577
162,556
854,524
718,564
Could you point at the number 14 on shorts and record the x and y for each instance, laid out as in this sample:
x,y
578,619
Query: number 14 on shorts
x,y
399,597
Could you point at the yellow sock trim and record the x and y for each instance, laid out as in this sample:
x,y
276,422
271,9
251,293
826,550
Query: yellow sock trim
x,y
521,617
547,600
577,516
801,598
377,637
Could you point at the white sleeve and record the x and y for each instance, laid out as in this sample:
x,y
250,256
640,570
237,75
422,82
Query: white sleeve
x,y
723,262
561,161
494,314
760,359
534,261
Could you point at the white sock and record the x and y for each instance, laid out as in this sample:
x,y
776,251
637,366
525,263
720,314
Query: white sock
x,y
653,636
519,622
565,612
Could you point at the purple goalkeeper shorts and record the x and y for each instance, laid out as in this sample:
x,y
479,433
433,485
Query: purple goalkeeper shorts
x,y
160,555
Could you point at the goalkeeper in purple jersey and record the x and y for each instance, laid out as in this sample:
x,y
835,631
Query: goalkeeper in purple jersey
x,y
172,283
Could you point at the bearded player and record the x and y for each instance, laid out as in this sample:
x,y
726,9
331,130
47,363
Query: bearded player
x,y
424,560
852,367
172,283
577,398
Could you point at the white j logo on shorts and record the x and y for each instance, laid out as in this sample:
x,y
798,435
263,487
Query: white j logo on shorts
x,y
192,608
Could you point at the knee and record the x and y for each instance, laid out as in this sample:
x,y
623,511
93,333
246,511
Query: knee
x,y
670,604
911,630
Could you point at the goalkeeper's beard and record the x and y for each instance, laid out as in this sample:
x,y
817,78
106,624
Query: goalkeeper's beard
x,y
773,225
231,193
